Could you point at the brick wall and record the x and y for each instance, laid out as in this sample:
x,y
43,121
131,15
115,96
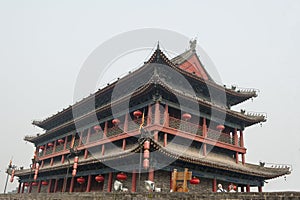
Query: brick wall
x,y
161,196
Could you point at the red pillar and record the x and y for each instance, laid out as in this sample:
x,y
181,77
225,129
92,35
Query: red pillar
x,y
109,183
88,136
51,161
19,188
165,139
157,113
88,186
155,136
214,185
71,184
30,187
62,159
86,152
23,187
149,118
124,144
248,188
242,145
166,116
66,141
55,185
125,128
39,187
151,174
259,188
133,183
54,147
204,132
49,186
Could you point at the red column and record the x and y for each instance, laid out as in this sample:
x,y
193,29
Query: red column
x,y
204,132
151,174
88,135
236,139
165,139
51,161
86,152
133,183
39,187
19,188
242,145
55,185
214,185
155,135
62,159
125,128
23,187
124,144
30,187
109,183
149,118
248,188
54,147
71,184
259,188
236,157
103,149
49,186
88,186
66,141
45,149
166,116
157,113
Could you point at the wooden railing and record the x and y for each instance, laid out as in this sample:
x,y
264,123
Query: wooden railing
x,y
133,125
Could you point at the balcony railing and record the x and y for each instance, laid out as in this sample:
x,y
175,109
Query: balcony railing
x,y
174,123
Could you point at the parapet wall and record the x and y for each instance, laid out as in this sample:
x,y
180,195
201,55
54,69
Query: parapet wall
x,y
161,196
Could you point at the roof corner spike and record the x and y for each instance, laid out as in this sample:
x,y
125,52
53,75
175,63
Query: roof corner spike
x,y
157,47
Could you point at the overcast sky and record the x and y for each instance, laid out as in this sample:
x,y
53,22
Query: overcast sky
x,y
254,44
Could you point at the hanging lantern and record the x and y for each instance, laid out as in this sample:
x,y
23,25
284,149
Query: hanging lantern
x,y
42,147
137,113
80,180
195,181
220,127
99,178
44,183
97,128
26,184
115,121
34,183
186,116
60,141
146,163
121,176
50,144
146,144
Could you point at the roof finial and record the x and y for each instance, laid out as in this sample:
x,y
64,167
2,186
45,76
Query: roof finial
x,y
193,44
157,45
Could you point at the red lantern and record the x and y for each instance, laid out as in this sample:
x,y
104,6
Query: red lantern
x,y
99,178
186,116
26,184
42,147
34,183
97,128
121,176
220,127
137,113
115,121
80,180
195,181
44,183
50,144
146,144
146,163
146,153
60,141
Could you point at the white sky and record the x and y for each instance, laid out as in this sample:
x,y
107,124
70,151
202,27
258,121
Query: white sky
x,y
255,44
